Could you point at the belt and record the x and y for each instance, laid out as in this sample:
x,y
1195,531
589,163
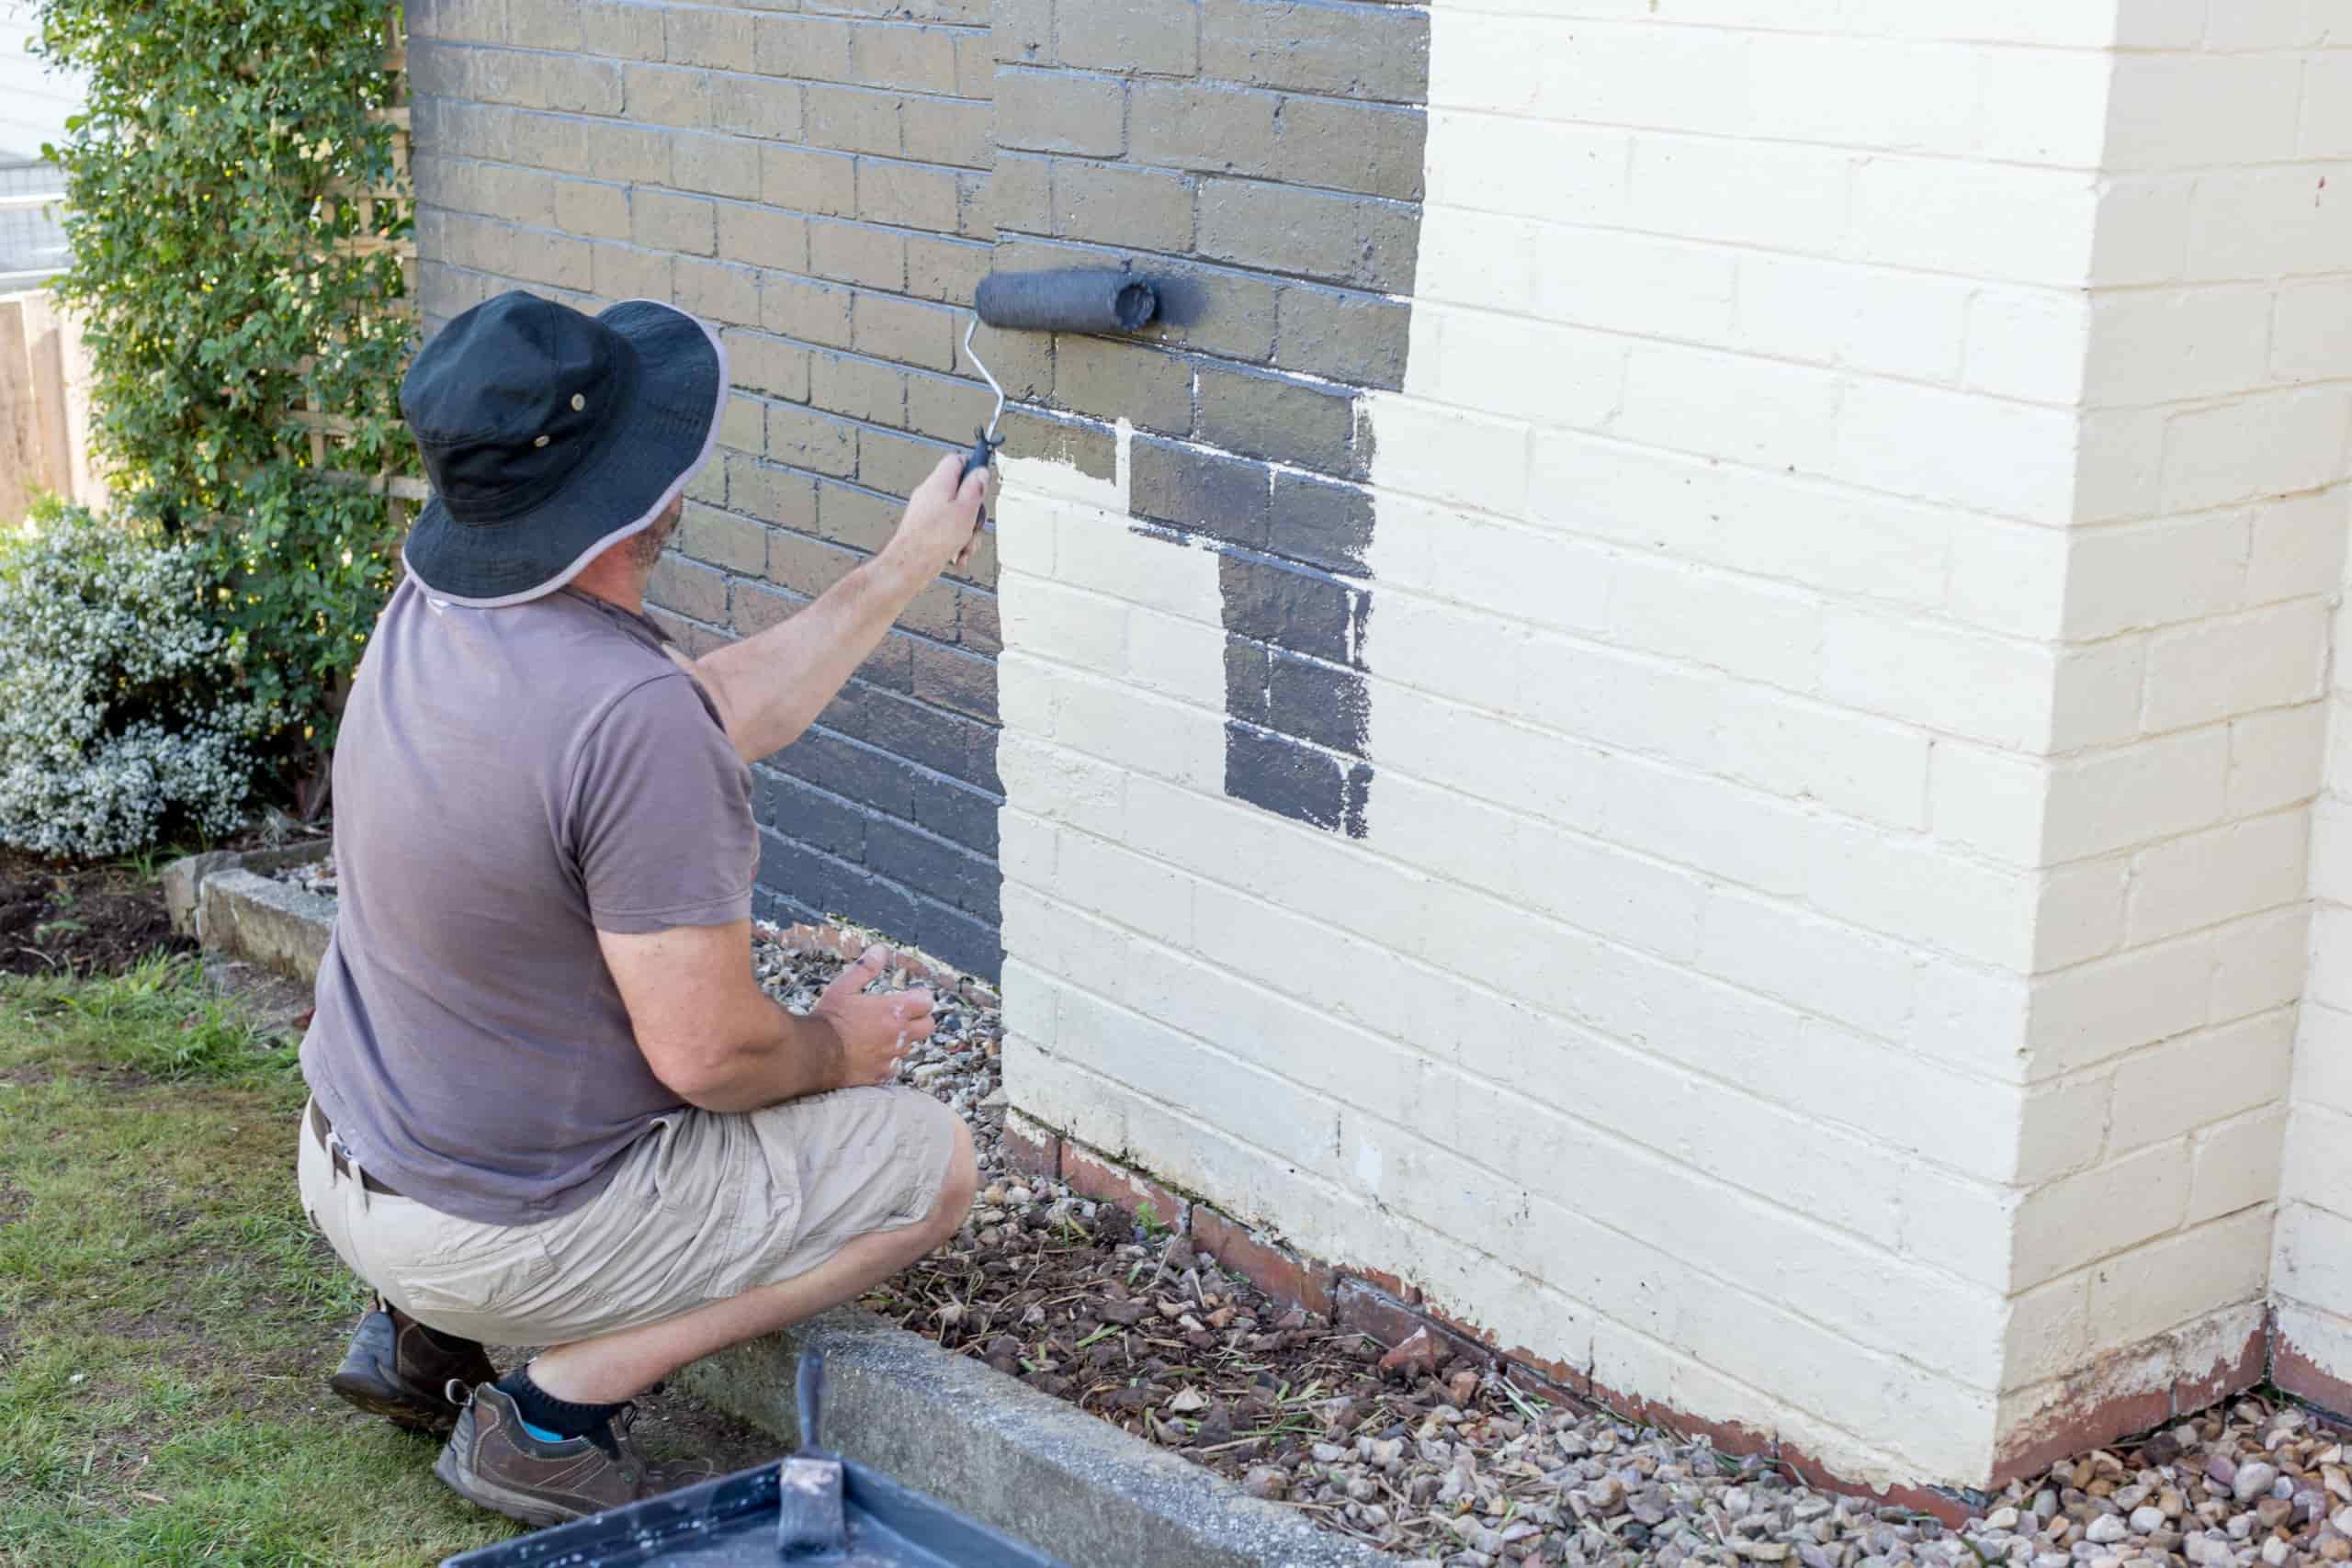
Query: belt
x,y
341,1162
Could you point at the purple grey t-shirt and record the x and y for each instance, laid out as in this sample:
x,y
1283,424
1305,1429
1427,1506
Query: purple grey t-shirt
x,y
507,784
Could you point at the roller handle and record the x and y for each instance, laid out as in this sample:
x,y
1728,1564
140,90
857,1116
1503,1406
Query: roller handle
x,y
982,455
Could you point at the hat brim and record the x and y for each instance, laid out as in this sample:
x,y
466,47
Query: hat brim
x,y
655,447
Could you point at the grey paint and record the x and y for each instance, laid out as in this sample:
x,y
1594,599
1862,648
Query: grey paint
x,y
828,183
1282,143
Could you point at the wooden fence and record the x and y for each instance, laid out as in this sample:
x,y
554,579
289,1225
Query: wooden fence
x,y
44,406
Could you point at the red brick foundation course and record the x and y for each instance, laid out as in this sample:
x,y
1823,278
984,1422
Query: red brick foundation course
x,y
2298,1375
1390,1311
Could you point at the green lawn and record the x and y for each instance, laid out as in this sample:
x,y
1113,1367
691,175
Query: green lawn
x,y
167,1318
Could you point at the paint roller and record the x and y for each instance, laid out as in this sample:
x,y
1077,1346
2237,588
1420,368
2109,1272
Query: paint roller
x,y
1065,299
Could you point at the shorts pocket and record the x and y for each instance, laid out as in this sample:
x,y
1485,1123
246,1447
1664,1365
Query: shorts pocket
x,y
481,1281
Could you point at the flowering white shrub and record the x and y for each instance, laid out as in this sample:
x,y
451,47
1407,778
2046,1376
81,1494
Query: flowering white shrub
x,y
116,727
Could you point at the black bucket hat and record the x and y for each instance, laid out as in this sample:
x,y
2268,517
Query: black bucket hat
x,y
551,434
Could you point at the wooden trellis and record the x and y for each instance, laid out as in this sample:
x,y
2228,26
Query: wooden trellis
x,y
400,491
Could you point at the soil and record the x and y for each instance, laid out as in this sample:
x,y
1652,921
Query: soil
x,y
60,917
1151,1335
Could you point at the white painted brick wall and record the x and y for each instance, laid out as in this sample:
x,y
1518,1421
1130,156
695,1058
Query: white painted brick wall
x,y
2309,1278
1853,557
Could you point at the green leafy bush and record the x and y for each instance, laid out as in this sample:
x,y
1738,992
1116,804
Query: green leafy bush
x,y
113,730
225,274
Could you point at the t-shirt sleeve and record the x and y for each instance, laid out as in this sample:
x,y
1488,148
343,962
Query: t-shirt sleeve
x,y
661,814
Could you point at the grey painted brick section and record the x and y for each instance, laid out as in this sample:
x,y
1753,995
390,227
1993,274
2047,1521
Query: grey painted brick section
x,y
812,311
1326,703
1323,525
1355,51
858,253
825,181
1190,126
1139,207
851,120
907,331
1161,37
912,196
763,237
1112,379
1275,418
757,489
822,182
723,166
864,388
947,131
816,48
1021,32
1359,240
1198,492
1292,780
917,58
585,208
662,221
805,439
660,94
749,107
1343,336
1272,602
694,36
763,364
1049,112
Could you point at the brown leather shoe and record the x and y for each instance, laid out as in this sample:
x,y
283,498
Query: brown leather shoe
x,y
490,1461
396,1371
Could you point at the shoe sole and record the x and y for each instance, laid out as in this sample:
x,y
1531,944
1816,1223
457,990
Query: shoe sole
x,y
408,1415
520,1507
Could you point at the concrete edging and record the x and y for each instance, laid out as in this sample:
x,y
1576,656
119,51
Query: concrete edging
x,y
1046,1471
230,903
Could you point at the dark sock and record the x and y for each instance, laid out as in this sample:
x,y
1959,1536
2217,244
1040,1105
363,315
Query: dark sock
x,y
545,1414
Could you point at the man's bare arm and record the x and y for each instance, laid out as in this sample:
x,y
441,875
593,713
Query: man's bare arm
x,y
771,687
720,1043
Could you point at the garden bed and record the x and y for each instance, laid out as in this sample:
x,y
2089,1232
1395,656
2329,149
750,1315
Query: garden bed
x,y
62,919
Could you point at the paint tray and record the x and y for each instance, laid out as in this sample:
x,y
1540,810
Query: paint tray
x,y
732,1522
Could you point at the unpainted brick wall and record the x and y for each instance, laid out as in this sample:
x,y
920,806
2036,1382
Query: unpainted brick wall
x,y
814,181
1820,951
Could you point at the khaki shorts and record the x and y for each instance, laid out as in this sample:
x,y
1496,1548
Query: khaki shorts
x,y
703,1207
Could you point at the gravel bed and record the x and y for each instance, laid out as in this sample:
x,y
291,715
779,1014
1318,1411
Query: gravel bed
x,y
1443,1460
311,875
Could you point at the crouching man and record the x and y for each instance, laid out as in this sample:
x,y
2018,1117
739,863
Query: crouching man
x,y
550,1103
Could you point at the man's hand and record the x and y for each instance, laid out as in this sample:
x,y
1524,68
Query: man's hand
x,y
875,1031
707,1030
941,525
